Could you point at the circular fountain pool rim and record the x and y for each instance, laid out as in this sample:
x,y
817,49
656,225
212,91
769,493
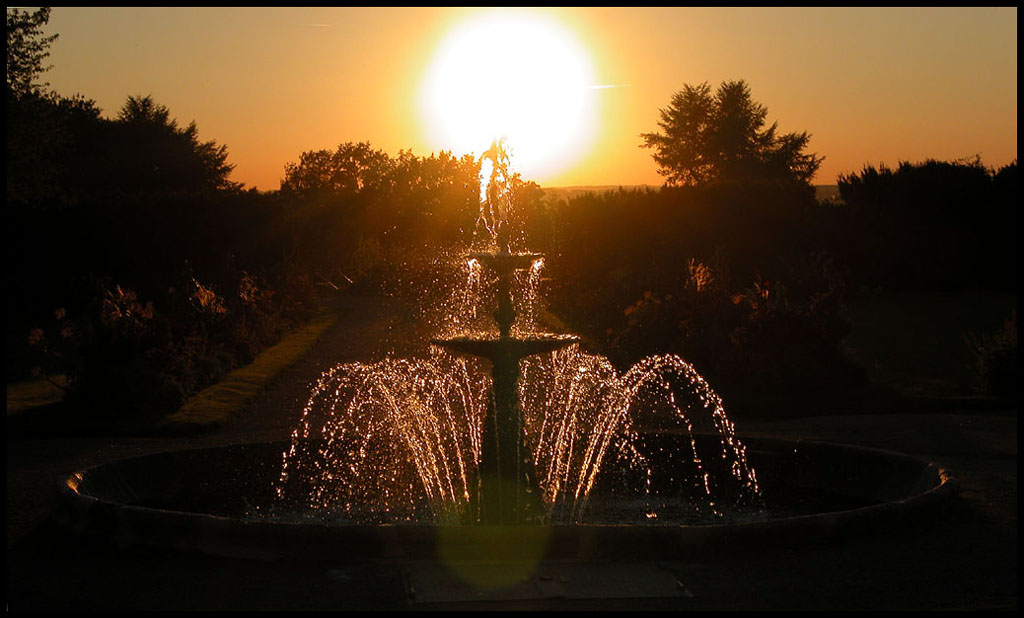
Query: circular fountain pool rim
x,y
905,488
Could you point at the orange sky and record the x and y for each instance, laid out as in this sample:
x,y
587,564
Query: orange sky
x,y
870,85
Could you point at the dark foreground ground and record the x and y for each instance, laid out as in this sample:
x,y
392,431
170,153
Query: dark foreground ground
x,y
962,558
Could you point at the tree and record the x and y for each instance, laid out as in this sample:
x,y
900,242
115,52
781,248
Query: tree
x,y
709,139
435,198
405,199
149,152
26,49
42,126
324,175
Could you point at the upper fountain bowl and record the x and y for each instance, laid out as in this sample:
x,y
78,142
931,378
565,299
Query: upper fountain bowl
x,y
504,261
490,346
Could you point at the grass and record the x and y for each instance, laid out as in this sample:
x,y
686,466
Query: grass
x,y
214,406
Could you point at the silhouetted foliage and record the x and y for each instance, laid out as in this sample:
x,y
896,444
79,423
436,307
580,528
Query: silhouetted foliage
x,y
127,358
728,276
930,224
937,188
150,153
61,152
709,138
38,121
36,145
325,176
27,48
778,336
357,210
624,243
102,215
996,360
35,127
1006,183
748,279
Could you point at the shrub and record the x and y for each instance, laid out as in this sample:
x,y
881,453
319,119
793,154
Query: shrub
x,y
929,225
996,364
767,336
129,359
117,370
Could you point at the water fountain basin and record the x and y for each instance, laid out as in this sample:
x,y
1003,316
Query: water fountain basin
x,y
211,500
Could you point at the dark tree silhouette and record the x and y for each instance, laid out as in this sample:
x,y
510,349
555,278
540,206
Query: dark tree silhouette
x,y
154,154
923,191
49,137
324,175
33,121
27,48
357,192
722,137
934,223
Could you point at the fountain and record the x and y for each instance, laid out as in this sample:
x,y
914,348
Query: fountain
x,y
390,457
509,492
521,451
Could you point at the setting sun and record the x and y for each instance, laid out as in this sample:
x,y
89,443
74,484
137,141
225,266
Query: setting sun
x,y
517,75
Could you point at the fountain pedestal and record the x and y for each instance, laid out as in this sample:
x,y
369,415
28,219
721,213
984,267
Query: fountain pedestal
x,y
509,492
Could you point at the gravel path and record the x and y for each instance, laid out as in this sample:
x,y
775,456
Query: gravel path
x,y
370,329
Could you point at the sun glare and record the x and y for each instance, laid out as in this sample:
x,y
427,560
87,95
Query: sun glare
x,y
517,75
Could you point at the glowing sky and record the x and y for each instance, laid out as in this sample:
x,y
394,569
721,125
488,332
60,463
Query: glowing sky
x,y
870,85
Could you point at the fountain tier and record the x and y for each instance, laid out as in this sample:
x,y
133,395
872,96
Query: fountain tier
x,y
498,348
509,489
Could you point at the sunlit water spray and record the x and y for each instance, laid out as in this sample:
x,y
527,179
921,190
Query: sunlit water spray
x,y
397,440
401,440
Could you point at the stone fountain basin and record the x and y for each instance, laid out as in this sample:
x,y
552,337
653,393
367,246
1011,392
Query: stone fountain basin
x,y
202,499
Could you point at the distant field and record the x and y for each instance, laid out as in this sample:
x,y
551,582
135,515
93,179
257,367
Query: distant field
x,y
822,192
574,191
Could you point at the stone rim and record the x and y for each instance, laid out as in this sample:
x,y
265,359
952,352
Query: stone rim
x,y
133,525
